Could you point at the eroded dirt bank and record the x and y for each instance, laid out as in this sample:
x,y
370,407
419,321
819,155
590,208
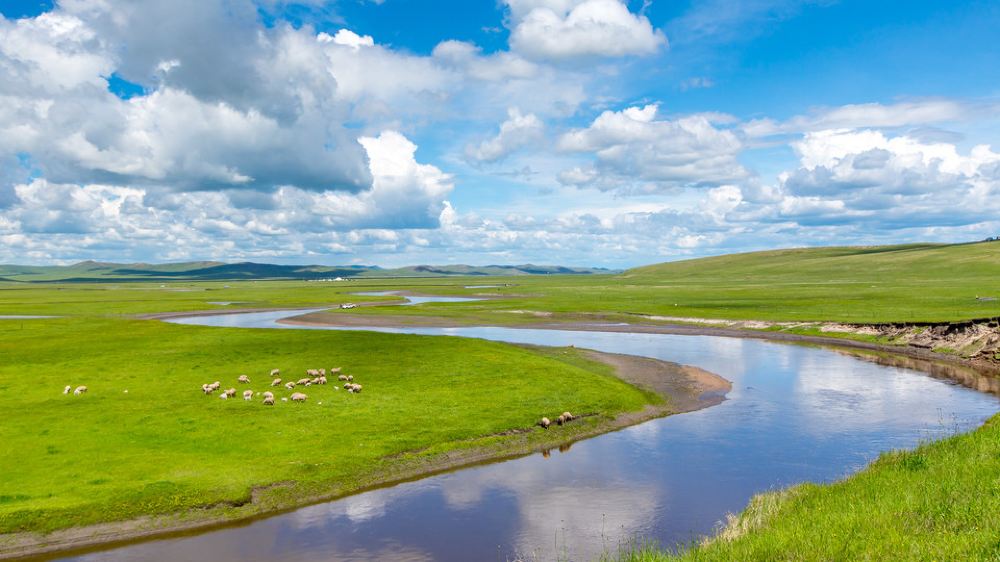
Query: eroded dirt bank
x,y
682,387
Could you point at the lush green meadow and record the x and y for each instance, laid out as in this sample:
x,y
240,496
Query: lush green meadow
x,y
925,283
938,502
165,447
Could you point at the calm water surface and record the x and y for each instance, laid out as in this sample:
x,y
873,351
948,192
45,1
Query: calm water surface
x,y
795,414
414,300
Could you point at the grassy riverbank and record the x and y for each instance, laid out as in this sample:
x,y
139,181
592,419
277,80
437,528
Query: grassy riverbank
x,y
164,447
938,502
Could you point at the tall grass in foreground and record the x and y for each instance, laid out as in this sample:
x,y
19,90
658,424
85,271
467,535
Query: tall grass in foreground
x,y
940,501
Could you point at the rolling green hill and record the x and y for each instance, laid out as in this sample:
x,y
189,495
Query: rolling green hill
x,y
91,271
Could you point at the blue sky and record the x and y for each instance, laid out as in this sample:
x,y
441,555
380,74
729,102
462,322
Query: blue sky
x,y
581,132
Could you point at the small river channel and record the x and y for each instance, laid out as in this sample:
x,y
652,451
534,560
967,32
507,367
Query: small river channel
x,y
795,414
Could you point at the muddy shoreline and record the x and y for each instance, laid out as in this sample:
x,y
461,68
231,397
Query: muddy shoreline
x,y
684,389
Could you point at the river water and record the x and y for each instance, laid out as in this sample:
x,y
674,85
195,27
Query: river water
x,y
795,414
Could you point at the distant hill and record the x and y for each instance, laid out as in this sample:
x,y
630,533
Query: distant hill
x,y
92,271
914,262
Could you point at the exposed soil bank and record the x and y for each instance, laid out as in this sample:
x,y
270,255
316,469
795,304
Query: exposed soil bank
x,y
683,388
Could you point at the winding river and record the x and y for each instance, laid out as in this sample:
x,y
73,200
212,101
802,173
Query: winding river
x,y
795,414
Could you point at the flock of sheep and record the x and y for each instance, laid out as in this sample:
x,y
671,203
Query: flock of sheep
x,y
564,417
313,376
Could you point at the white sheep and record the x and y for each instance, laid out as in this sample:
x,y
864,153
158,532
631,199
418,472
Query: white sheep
x,y
80,390
244,379
321,380
334,370
269,395
269,400
322,372
342,378
224,396
67,389
545,423
275,372
302,381
231,392
248,395
289,385
299,397
350,378
276,382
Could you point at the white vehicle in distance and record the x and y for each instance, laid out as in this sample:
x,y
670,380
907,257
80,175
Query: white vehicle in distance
x,y
348,305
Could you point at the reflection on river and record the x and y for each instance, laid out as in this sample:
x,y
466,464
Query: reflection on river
x,y
795,413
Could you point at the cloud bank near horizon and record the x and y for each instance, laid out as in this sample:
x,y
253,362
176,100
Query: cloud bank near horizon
x,y
165,131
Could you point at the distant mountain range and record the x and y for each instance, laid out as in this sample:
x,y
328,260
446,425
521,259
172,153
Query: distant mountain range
x,y
92,271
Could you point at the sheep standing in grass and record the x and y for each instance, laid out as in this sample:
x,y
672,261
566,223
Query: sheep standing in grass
x,y
545,423
302,381
312,372
215,386
321,380
568,416
207,388
350,378
269,400
67,389
342,378
248,395
80,390
299,397
322,372
289,385
334,370
230,392
275,372
224,396
269,395
244,379
276,382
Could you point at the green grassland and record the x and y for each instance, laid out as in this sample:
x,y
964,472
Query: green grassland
x,y
938,502
165,447
915,283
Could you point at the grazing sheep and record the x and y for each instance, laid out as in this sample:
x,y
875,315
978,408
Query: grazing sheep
x,y
269,400
348,385
322,372
216,385
357,388
80,390
321,380
248,395
275,372
314,381
568,416
67,389
312,372
244,379
545,423
269,395
342,378
276,382
350,378
224,396
207,388
299,397
334,370
560,420
284,399
289,385
231,392
302,381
